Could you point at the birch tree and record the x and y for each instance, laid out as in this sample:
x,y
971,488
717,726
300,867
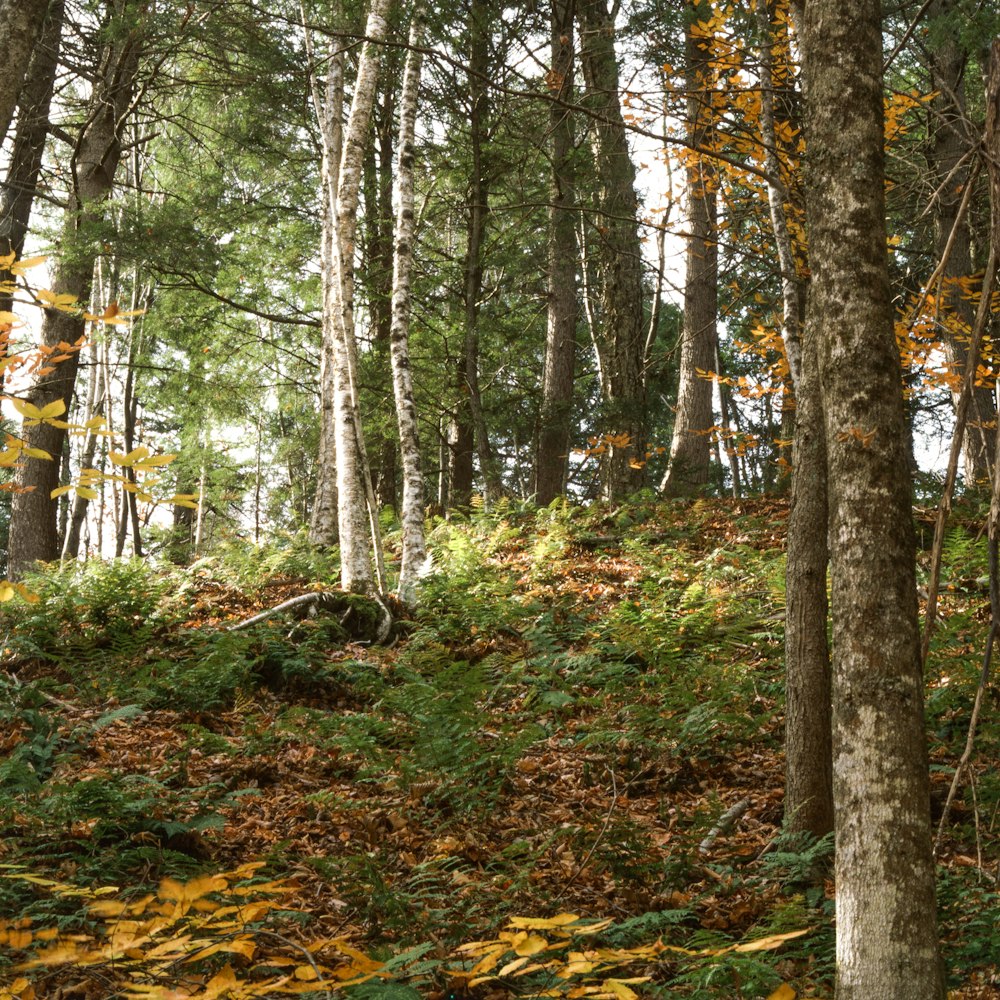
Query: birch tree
x,y
887,944
412,509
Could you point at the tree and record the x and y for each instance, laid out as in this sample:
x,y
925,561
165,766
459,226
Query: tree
x,y
20,25
688,471
560,343
33,534
613,237
887,944
412,512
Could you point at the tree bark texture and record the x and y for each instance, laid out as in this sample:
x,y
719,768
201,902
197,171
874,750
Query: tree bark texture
x,y
953,140
330,113
690,446
20,25
555,419
354,501
808,720
33,531
614,238
412,511
29,141
887,944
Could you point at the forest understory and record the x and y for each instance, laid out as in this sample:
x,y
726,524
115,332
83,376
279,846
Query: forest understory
x,y
585,718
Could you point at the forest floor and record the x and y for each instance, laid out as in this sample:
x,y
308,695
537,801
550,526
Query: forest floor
x,y
520,796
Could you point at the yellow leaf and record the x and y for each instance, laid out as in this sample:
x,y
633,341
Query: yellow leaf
x,y
7,591
25,263
306,973
531,945
36,453
59,491
619,989
54,409
771,941
27,410
541,924
155,460
512,966
783,992
86,493
7,318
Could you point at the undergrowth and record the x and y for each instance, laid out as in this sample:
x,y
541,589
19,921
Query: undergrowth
x,y
582,695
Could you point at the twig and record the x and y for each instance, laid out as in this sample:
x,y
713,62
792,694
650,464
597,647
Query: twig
x,y
724,825
293,602
604,829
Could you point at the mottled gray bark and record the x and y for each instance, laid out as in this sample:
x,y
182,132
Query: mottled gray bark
x,y
33,529
887,944
20,26
552,455
690,447
808,721
412,509
613,237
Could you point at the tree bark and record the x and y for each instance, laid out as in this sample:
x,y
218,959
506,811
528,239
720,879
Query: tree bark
x,y
555,419
29,142
887,943
330,113
20,25
808,721
34,533
354,494
950,164
614,237
690,447
412,511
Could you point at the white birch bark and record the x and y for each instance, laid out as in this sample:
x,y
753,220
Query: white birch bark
x,y
354,493
412,510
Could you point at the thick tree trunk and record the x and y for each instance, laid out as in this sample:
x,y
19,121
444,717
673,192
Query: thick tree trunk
x,y
808,722
20,25
953,140
412,512
688,471
887,943
33,533
614,237
555,419
29,142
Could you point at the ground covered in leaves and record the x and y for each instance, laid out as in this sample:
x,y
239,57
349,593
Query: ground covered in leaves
x,y
562,778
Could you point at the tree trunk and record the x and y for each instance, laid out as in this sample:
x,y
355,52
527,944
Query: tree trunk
x,y
952,142
808,721
354,493
621,335
688,470
412,512
330,113
555,419
887,943
29,142
478,212
20,25
33,534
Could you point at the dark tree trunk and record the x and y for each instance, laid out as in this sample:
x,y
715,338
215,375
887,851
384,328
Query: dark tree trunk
x,y
688,471
555,425
614,238
20,25
33,530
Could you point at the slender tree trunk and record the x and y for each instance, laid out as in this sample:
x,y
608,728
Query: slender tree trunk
x,y
887,942
477,209
808,721
20,25
355,496
29,142
688,470
33,534
412,512
621,335
330,113
555,419
953,139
